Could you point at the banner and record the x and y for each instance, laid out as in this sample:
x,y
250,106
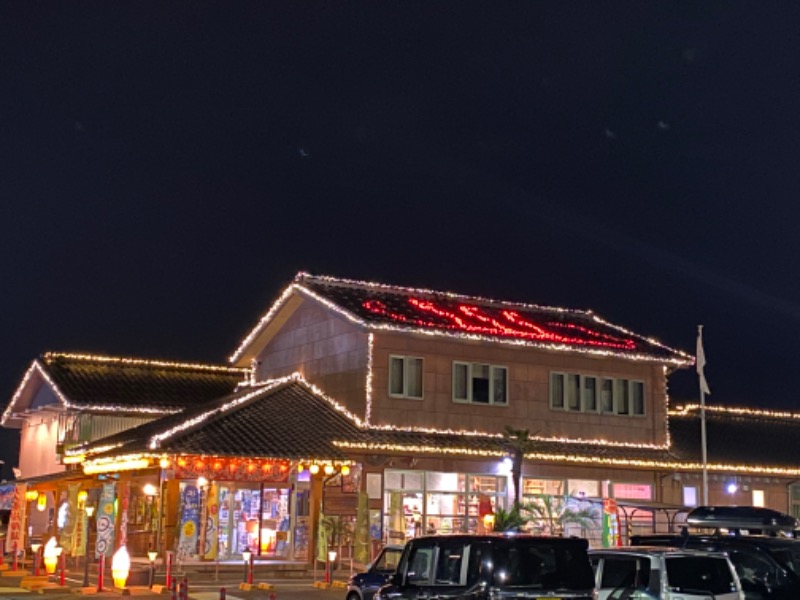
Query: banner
x,y
16,523
322,539
124,500
362,542
212,523
80,533
190,521
611,537
70,521
106,519
397,519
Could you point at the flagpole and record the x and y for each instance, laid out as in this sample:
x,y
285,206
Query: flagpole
x,y
703,422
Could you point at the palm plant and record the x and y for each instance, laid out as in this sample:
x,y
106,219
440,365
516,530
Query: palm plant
x,y
508,520
517,442
555,513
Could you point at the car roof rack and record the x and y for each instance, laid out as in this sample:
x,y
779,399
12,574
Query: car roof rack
x,y
738,518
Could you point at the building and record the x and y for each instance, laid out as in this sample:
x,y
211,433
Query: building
x,y
380,411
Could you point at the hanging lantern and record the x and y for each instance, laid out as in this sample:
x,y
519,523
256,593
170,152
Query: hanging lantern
x,y
41,502
314,469
120,567
300,467
345,469
163,463
82,496
31,495
329,469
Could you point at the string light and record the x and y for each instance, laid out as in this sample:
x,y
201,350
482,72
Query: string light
x,y
368,385
686,410
122,463
593,346
50,357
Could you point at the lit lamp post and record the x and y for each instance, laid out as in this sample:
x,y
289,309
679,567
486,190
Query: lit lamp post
x,y
152,554
50,556
329,566
35,550
89,510
246,556
120,567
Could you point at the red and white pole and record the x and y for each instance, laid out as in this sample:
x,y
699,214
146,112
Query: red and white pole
x,y
169,571
15,556
101,567
62,577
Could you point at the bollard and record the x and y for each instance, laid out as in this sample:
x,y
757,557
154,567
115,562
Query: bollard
x,y
62,577
185,588
168,581
250,573
101,567
174,590
273,596
181,592
221,593
15,556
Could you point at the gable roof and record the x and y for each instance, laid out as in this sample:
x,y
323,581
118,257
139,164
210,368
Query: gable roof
x,y
125,385
281,418
377,306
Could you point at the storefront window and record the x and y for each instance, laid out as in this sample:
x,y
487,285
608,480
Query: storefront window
x,y
538,487
583,488
447,503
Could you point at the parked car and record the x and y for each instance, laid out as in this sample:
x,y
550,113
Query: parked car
x,y
664,574
496,567
362,586
768,565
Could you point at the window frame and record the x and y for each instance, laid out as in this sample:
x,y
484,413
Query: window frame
x,y
405,393
618,387
470,398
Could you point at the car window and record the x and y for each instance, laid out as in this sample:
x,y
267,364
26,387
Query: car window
x,y
787,557
388,559
451,564
707,574
625,573
542,565
420,561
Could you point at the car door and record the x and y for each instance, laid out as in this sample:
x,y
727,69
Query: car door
x,y
701,577
620,577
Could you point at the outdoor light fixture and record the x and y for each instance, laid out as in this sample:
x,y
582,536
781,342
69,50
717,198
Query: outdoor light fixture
x,y
50,556
314,469
149,489
31,495
202,482
163,463
41,502
300,468
35,550
152,555
329,469
246,557
82,496
89,510
120,567
731,488
345,469
488,521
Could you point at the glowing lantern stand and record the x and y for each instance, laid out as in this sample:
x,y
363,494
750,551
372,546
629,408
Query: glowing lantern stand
x,y
120,567
51,556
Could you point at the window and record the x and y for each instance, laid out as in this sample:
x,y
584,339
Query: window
x,y
479,383
588,393
689,495
758,498
405,376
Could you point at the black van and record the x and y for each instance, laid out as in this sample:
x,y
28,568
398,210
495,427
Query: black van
x,y
768,564
483,567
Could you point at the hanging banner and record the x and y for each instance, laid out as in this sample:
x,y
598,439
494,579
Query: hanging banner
x,y
124,500
16,523
362,542
611,537
322,539
190,521
106,519
80,532
70,512
397,519
212,523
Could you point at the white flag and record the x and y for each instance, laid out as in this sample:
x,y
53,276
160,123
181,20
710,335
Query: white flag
x,y
700,359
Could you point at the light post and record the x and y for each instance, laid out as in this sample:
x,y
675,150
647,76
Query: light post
x,y
89,510
152,554
329,566
246,556
35,550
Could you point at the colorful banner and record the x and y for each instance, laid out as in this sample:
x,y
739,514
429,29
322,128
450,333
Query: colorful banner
x,y
611,537
211,539
322,539
397,519
124,496
7,496
362,542
68,530
80,532
190,521
106,520
16,523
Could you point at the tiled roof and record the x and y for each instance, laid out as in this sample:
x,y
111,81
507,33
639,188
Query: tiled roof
x,y
379,306
95,382
283,420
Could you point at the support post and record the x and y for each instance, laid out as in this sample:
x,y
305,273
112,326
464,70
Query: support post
x,y
101,567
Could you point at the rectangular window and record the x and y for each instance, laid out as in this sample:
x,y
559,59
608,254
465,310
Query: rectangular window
x,y
573,392
758,498
621,397
607,396
405,376
689,495
637,397
556,390
590,394
480,383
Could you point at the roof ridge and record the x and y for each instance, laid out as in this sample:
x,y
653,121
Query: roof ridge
x,y
303,277
50,357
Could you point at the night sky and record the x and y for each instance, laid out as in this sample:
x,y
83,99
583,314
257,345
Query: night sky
x,y
166,169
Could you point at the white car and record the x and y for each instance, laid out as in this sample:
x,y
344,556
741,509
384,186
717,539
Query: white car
x,y
643,572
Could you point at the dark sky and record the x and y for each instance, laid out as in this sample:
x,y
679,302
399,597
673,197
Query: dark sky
x,y
167,167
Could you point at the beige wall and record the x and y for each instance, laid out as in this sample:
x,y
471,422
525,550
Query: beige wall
x,y
37,447
329,351
528,391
